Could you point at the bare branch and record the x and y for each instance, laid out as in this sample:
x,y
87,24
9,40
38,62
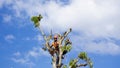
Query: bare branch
x,y
43,34
65,34
80,65
47,39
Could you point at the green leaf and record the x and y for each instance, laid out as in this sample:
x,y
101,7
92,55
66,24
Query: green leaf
x,y
67,48
64,66
72,63
36,20
83,56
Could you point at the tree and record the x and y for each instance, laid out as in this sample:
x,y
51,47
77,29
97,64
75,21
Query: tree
x,y
64,47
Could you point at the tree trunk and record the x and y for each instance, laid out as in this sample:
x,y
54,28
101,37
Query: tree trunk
x,y
60,57
54,62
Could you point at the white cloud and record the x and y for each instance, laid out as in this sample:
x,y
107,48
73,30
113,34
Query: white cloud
x,y
1,3
22,61
9,38
37,52
7,18
97,45
92,18
27,38
38,38
103,48
17,54
25,58
35,38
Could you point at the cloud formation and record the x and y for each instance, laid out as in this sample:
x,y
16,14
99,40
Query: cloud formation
x,y
26,58
91,19
9,38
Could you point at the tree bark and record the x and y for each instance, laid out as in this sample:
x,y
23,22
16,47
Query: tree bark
x,y
60,47
47,45
54,62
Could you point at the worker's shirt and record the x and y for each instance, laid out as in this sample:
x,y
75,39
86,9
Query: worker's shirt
x,y
55,45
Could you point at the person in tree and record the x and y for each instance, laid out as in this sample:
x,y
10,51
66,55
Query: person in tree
x,y
55,46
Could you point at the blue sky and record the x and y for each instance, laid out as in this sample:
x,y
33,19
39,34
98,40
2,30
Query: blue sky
x,y
95,25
